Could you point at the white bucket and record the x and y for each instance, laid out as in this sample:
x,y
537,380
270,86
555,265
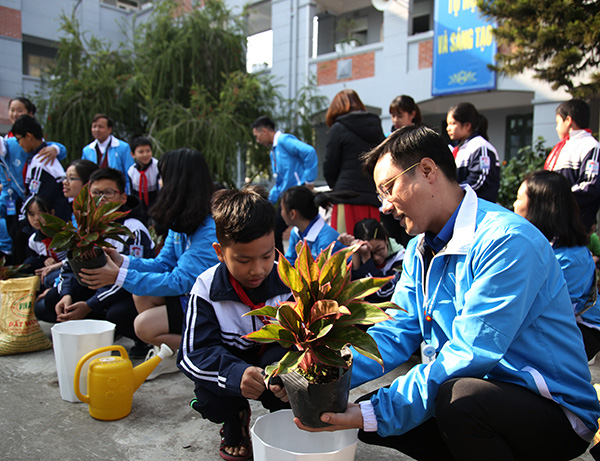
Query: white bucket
x,y
275,437
72,340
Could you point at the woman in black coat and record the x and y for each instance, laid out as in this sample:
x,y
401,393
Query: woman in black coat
x,y
353,131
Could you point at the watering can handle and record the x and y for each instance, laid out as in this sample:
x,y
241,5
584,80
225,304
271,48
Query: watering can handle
x,y
85,358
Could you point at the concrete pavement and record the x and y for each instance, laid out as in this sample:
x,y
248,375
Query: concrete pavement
x,y
36,424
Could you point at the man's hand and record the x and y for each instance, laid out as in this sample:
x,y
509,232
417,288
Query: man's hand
x,y
102,276
350,419
48,154
253,383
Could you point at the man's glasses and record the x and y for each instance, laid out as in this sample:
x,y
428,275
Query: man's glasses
x,y
385,191
108,193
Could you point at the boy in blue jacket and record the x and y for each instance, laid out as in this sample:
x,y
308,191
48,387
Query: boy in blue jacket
x,y
227,368
482,287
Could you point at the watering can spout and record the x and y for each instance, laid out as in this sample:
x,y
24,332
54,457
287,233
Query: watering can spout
x,y
143,370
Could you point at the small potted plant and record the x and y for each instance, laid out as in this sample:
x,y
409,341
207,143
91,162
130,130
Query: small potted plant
x,y
96,225
9,272
324,318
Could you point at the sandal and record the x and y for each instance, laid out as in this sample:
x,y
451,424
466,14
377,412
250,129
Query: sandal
x,y
244,442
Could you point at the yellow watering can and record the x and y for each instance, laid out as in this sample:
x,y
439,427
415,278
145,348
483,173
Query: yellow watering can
x,y
111,381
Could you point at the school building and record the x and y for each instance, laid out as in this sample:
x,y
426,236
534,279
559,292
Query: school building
x,y
435,51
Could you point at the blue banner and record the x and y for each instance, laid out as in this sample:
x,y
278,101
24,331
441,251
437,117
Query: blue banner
x,y
463,46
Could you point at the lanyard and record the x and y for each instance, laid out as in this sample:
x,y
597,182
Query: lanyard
x,y
430,303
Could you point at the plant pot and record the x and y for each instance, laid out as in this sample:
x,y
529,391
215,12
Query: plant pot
x,y
309,401
77,263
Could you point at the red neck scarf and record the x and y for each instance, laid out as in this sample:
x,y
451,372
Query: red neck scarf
x,y
244,298
143,187
550,162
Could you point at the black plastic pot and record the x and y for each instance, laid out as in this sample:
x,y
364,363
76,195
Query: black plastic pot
x,y
78,264
309,401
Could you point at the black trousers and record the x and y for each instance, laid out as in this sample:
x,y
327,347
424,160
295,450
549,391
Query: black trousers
x,y
477,419
226,406
591,340
121,312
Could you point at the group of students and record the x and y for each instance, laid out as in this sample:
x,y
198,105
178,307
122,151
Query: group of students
x,y
480,284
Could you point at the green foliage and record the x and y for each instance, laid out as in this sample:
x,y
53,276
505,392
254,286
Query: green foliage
x,y
9,272
558,40
95,225
182,82
528,159
323,317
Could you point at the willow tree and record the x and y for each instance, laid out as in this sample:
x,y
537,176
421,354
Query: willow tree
x,y
182,81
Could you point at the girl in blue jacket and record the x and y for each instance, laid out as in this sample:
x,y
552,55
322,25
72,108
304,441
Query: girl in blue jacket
x,y
298,209
546,200
160,284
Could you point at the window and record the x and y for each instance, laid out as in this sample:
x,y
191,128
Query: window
x,y
38,55
259,51
519,133
421,16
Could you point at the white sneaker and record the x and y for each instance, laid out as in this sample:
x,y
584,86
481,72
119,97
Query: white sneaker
x,y
165,366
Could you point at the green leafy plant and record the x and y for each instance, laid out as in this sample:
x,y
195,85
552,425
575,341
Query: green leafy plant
x,y
96,224
528,159
9,272
324,316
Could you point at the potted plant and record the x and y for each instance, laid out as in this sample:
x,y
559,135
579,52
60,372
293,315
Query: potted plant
x,y
321,321
9,272
346,27
96,225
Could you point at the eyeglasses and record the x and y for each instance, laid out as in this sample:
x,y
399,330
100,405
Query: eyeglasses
x,y
108,193
385,192
71,179
381,251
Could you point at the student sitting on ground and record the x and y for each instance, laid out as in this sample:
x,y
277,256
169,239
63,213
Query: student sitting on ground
x,y
378,256
298,209
545,199
227,368
71,301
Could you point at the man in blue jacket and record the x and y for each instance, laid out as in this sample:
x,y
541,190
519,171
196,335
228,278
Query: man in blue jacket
x,y
293,162
482,287
107,150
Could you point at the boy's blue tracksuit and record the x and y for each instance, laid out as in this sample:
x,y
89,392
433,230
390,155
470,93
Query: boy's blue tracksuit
x,y
174,270
293,163
319,235
500,310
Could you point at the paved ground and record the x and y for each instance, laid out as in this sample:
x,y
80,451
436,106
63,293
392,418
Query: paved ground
x,y
37,424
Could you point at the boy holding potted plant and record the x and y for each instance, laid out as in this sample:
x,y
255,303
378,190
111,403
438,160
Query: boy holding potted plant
x,y
226,367
70,300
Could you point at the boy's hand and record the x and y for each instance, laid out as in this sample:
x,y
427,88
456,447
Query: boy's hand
x,y
253,383
75,311
279,392
60,307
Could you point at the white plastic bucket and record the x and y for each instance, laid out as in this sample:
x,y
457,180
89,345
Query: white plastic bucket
x,y
72,340
275,437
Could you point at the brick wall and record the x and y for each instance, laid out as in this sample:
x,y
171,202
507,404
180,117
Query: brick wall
x,y
363,66
10,22
426,54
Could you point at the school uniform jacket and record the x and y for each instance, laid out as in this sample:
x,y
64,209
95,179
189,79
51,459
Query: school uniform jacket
x,y
118,156
12,161
500,310
477,165
293,163
320,235
391,266
213,352
579,271
141,244
174,270
579,161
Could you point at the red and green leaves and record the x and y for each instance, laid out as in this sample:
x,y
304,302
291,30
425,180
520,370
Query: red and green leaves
x,y
323,317
95,226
